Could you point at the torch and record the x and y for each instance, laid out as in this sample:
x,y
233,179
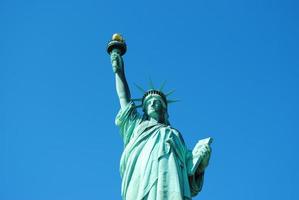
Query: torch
x,y
118,45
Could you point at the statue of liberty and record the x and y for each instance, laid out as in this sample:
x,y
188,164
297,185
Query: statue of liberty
x,y
155,163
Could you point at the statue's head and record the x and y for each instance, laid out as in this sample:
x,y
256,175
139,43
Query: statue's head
x,y
154,105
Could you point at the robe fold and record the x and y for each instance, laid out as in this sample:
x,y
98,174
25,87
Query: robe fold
x,y
154,163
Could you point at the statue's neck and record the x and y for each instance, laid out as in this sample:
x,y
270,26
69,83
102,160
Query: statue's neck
x,y
156,120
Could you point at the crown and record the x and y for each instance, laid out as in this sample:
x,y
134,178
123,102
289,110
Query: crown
x,y
152,91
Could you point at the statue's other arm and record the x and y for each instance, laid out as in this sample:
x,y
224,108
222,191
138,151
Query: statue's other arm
x,y
122,87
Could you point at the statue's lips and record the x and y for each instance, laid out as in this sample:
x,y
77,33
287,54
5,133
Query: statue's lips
x,y
151,109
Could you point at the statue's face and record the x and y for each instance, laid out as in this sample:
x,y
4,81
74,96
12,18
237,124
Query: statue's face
x,y
154,107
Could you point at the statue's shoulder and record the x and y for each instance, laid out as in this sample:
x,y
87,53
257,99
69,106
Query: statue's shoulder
x,y
177,133
172,129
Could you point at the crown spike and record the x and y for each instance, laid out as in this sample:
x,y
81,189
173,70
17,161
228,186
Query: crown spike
x,y
139,99
169,93
140,88
162,86
172,101
151,83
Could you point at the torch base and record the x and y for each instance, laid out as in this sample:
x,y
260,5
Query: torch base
x,y
113,44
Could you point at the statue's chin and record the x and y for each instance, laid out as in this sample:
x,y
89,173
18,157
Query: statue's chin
x,y
154,118
153,114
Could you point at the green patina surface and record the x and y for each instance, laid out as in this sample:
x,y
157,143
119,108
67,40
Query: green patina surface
x,y
155,163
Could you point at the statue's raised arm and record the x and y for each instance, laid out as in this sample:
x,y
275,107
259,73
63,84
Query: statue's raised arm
x,y
116,48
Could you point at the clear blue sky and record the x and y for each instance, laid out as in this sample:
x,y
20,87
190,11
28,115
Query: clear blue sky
x,y
234,65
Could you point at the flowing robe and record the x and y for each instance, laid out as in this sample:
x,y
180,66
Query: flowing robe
x,y
154,163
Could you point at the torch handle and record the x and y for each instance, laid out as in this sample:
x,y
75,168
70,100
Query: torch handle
x,y
114,59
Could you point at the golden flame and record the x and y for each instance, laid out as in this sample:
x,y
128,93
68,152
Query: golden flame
x,y
117,37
